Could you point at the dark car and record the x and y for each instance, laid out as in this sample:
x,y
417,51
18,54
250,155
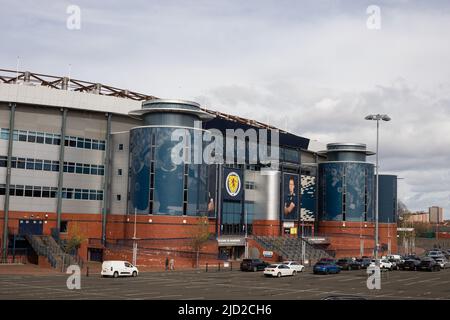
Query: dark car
x,y
326,268
330,260
253,265
363,262
345,263
429,265
409,264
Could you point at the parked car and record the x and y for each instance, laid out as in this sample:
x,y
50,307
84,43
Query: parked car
x,y
345,263
295,265
364,262
278,270
435,254
331,260
356,265
326,267
443,263
411,264
118,268
429,265
253,265
394,257
383,263
395,263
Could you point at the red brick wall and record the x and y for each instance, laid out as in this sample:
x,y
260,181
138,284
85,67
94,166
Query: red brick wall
x,y
346,240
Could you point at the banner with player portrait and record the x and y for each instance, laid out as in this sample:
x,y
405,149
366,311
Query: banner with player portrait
x,y
290,197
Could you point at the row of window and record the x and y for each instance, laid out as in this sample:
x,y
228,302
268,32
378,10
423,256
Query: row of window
x,y
54,139
51,192
52,165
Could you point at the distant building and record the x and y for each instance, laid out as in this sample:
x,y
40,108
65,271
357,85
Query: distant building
x,y
420,217
436,214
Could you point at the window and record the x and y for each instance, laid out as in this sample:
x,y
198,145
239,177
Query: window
x,y
100,195
37,191
2,189
57,139
21,163
94,169
19,190
31,136
13,162
63,227
69,193
118,197
119,172
40,137
38,164
92,194
120,146
28,191
49,138
3,161
30,164
71,167
85,194
23,135
79,168
80,143
95,144
47,165
72,142
86,169
55,166
101,170
102,145
45,192
77,194
53,192
4,134
87,143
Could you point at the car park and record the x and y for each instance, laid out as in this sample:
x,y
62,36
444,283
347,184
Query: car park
x,y
429,265
118,269
295,265
326,267
383,263
253,265
278,270
443,263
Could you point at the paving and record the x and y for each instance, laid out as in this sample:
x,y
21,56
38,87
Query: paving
x,y
229,285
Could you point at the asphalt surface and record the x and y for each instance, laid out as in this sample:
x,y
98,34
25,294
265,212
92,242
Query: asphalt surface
x,y
229,285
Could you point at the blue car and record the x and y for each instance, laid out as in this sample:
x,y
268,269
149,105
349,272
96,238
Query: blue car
x,y
326,267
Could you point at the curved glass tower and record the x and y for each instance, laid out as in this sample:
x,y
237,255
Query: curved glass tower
x,y
346,191
158,183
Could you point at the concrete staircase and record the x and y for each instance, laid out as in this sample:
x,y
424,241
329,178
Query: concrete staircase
x,y
47,247
291,248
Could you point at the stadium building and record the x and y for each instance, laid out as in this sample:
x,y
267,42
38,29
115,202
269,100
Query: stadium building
x,y
88,166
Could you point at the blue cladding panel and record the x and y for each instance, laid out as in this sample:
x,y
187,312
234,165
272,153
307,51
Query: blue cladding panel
x,y
140,154
356,179
388,198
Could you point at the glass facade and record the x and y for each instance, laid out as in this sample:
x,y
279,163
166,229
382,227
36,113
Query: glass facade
x,y
346,190
159,186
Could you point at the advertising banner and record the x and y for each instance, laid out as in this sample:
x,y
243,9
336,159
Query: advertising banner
x,y
290,204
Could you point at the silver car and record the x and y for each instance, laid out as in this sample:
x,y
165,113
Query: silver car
x,y
444,263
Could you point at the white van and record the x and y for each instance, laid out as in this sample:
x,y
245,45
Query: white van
x,y
118,268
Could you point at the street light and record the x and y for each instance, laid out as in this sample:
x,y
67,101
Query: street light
x,y
377,118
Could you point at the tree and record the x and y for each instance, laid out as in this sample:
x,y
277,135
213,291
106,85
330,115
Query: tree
x,y
199,237
76,238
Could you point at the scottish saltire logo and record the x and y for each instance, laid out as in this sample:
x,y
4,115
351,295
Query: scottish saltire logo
x,y
233,184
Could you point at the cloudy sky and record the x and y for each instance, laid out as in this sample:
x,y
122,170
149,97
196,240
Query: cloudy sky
x,y
311,67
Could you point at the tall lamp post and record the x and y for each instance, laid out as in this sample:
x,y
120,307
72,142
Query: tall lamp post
x,y
377,118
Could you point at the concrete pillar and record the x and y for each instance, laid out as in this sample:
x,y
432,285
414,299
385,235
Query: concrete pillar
x,y
106,180
61,170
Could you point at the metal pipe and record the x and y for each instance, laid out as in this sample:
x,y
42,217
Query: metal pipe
x,y
8,180
61,170
376,193
106,182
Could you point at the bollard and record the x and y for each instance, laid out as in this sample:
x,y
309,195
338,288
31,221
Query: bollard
x,y
219,266
207,267
231,266
87,271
